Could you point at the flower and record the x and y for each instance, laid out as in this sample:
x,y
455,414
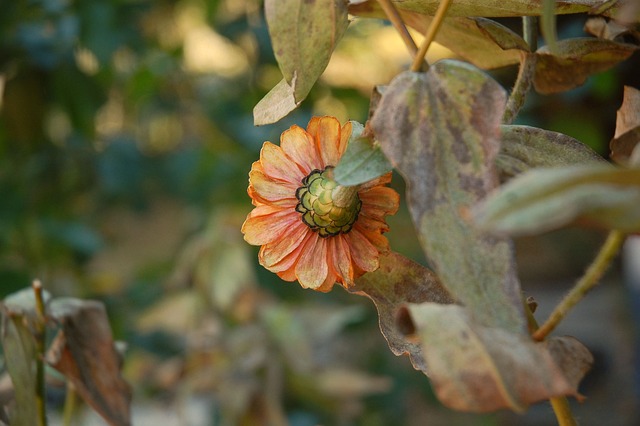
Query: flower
x,y
310,228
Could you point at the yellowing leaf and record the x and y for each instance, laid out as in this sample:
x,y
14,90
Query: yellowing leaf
x,y
479,369
524,148
545,199
441,131
488,8
575,60
399,281
304,34
275,105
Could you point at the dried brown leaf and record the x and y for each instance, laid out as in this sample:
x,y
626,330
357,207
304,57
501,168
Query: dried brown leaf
x,y
84,352
399,281
480,369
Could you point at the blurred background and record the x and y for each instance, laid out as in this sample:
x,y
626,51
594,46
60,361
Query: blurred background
x,y
126,138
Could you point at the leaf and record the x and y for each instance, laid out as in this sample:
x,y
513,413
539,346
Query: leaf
x,y
524,148
441,131
84,352
623,147
275,105
488,8
627,136
576,59
479,369
362,161
19,349
399,281
545,199
304,34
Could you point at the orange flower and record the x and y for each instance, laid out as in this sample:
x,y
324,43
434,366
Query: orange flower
x,y
310,228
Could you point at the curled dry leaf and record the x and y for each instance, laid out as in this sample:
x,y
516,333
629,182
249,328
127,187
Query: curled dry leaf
x,y
441,130
275,105
479,369
545,199
627,135
575,60
399,281
84,352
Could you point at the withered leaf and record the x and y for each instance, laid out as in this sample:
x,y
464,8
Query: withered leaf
x,y
489,8
275,105
544,199
304,34
84,352
399,281
575,60
524,148
627,136
441,130
479,369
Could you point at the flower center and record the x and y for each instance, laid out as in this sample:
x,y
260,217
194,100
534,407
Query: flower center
x,y
326,207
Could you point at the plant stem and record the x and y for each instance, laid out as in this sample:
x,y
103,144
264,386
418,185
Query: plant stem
x,y
600,264
562,410
69,404
530,31
520,88
559,404
418,61
396,20
40,336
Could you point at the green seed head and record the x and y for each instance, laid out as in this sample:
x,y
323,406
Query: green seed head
x,y
326,207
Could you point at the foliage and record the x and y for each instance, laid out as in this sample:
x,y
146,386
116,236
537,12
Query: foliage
x,y
126,133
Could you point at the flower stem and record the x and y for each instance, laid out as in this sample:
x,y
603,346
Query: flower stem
x,y
69,405
520,88
559,404
600,264
40,335
562,410
418,61
396,20
530,31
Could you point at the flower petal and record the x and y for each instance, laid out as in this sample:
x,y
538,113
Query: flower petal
x,y
276,251
345,134
326,132
379,181
340,260
266,223
268,190
378,240
363,253
312,268
301,148
379,201
277,165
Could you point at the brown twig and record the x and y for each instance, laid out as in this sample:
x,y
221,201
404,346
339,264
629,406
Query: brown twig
x,y
418,61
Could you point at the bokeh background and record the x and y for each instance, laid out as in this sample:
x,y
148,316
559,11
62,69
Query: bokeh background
x,y
126,137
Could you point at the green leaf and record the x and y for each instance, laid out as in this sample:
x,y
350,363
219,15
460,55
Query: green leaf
x,y
524,148
399,281
545,199
575,60
441,131
304,34
275,105
362,161
488,8
479,369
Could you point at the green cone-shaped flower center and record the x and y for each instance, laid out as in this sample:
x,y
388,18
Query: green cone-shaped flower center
x,y
326,207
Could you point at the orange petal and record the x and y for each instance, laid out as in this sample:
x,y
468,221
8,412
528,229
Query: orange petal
x,y
371,224
326,131
312,268
379,201
278,166
267,223
300,146
268,190
345,134
341,260
289,261
274,252
378,240
363,253
379,181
